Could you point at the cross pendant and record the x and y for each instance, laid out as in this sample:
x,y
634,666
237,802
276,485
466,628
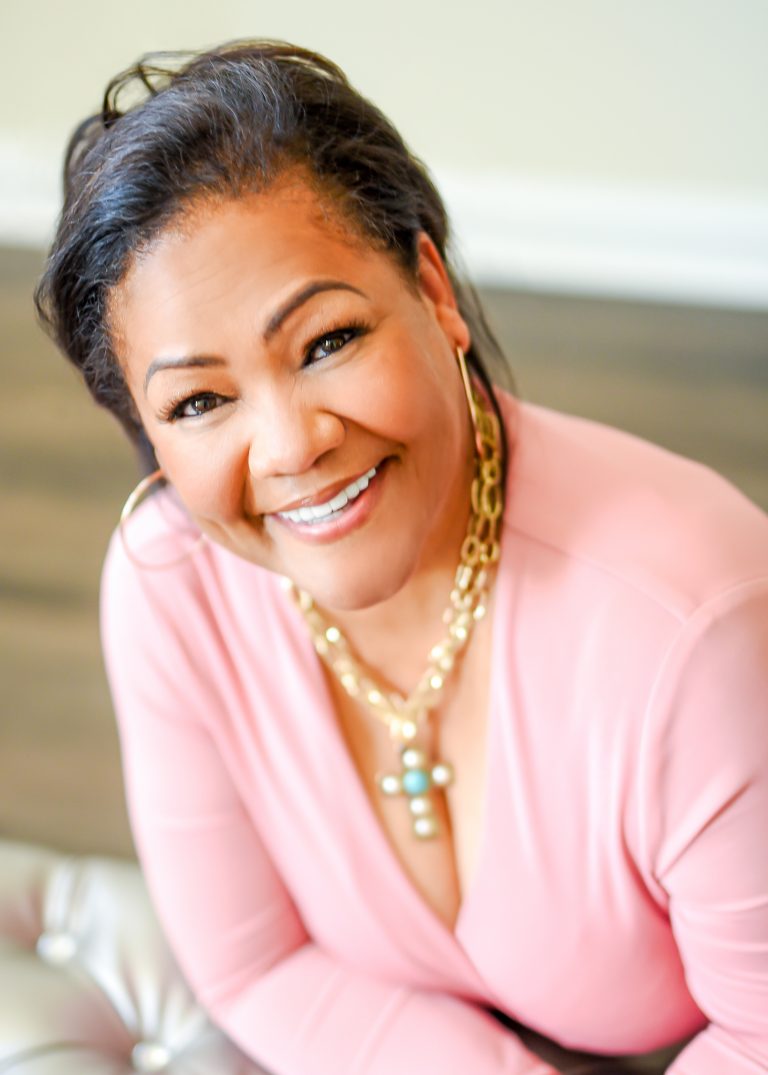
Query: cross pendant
x,y
416,779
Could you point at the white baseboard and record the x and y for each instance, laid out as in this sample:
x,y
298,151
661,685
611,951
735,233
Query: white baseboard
x,y
636,243
535,235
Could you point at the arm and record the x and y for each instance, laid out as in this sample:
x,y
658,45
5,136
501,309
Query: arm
x,y
706,812
226,914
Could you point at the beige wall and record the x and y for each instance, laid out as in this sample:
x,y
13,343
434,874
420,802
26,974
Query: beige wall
x,y
668,91
665,97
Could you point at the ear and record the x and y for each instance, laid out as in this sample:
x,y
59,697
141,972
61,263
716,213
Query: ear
x,y
437,292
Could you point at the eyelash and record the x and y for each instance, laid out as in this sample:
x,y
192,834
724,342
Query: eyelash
x,y
172,411
351,330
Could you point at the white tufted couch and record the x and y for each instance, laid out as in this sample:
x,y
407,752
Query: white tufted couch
x,y
88,985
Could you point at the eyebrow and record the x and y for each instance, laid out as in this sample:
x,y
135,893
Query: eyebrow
x,y
302,296
185,361
273,326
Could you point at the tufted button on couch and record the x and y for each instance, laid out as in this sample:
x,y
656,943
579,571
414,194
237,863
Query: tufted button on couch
x,y
88,985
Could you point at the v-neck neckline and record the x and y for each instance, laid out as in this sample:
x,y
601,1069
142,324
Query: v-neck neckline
x,y
369,827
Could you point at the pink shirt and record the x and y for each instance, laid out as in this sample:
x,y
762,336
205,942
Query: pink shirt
x,y
620,899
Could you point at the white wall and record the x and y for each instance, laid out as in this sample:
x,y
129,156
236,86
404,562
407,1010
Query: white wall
x,y
595,145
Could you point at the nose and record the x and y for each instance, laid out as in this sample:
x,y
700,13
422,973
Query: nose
x,y
291,433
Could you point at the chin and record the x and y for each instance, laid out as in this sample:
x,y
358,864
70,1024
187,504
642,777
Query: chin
x,y
354,590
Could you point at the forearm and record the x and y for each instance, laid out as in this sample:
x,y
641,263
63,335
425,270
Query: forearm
x,y
310,1015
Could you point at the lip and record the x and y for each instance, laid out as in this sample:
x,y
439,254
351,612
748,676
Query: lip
x,y
326,494
353,517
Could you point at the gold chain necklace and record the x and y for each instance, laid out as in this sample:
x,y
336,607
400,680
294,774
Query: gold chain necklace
x,y
406,717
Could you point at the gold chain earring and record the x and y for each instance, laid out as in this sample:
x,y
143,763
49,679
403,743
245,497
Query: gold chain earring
x,y
135,498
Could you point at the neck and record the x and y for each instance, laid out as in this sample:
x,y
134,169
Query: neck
x,y
394,636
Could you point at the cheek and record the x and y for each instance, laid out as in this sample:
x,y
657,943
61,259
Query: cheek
x,y
425,413
203,469
407,391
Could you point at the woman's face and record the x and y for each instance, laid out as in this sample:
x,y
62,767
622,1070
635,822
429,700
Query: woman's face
x,y
277,360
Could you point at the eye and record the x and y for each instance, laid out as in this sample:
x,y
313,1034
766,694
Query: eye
x,y
330,342
193,406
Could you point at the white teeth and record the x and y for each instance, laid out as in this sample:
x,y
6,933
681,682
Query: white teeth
x,y
337,503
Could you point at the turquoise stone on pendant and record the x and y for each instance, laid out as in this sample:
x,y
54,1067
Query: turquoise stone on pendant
x,y
415,781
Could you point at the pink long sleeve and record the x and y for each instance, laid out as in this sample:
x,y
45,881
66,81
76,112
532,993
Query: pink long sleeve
x,y
706,811
233,927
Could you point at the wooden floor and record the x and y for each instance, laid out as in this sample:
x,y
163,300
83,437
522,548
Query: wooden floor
x,y
695,381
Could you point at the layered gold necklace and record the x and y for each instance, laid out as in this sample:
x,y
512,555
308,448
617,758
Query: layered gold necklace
x,y
406,718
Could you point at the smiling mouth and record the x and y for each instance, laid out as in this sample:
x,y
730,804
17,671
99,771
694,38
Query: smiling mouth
x,y
332,509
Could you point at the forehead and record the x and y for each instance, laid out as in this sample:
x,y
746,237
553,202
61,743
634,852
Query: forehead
x,y
287,220
219,254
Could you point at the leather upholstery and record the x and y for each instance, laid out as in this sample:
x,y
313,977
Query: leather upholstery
x,y
88,985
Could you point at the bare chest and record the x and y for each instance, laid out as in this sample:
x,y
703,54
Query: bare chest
x,y
440,868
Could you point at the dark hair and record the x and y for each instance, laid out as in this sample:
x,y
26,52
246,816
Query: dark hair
x,y
224,123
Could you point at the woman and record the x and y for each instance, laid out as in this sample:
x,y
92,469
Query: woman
x,y
432,704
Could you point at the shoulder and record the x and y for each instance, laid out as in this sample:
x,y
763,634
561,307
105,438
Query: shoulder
x,y
655,599
610,502
162,584
154,561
